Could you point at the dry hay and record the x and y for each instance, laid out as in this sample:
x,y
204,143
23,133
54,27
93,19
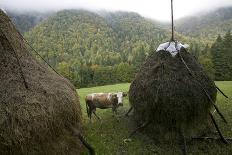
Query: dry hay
x,y
167,95
34,120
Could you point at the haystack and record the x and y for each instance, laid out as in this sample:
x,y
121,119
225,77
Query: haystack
x,y
37,106
168,96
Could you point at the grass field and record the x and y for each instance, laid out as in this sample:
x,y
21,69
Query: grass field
x,y
107,135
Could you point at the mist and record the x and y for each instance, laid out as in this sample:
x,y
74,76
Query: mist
x,y
155,9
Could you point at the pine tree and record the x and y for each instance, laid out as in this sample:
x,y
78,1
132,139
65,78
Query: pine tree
x,y
217,58
221,52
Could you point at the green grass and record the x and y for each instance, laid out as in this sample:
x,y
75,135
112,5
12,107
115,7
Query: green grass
x,y
107,135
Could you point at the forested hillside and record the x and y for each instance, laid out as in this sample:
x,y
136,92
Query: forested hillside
x,y
104,48
222,57
25,21
208,25
85,47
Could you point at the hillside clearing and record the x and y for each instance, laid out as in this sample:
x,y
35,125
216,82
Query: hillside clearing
x,y
108,134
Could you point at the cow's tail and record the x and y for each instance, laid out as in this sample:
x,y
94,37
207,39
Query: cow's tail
x,y
87,108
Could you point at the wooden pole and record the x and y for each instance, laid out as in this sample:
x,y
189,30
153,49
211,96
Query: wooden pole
x,y
172,39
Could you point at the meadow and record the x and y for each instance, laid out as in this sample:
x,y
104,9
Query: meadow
x,y
107,135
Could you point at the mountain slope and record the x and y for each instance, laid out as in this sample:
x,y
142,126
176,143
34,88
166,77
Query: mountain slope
x,y
25,21
208,25
93,39
92,49
73,34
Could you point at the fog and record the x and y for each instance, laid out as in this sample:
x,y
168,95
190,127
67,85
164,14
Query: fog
x,y
155,9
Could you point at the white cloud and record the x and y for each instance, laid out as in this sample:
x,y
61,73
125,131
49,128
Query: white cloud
x,y
157,9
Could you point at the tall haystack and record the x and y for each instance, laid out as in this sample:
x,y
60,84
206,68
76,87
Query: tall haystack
x,y
170,91
37,106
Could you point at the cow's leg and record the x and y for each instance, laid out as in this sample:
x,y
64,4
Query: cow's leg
x,y
113,110
94,112
116,111
90,113
127,114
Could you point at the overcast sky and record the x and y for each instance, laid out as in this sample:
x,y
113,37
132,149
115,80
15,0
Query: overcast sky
x,y
156,9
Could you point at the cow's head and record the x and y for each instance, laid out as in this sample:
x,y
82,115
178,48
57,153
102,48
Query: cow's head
x,y
120,96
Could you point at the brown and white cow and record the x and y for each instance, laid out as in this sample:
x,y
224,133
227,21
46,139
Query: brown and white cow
x,y
103,101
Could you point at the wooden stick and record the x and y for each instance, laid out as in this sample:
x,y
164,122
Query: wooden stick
x,y
223,118
87,145
210,138
222,92
172,39
139,128
96,115
127,114
182,143
84,142
219,132
206,93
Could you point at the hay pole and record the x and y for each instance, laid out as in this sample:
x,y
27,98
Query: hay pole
x,y
172,39
18,61
206,93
